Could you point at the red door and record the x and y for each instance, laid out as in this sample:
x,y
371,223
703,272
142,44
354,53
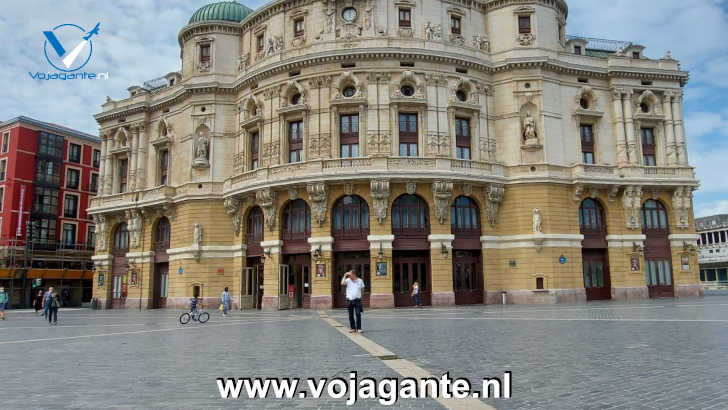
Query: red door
x,y
467,277
161,282
344,262
408,268
596,275
658,256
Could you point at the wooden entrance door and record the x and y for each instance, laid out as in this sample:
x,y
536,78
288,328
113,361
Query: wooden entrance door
x,y
299,280
408,268
467,277
161,283
252,289
344,262
658,256
284,275
596,275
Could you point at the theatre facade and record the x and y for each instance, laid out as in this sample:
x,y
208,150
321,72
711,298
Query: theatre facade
x,y
470,146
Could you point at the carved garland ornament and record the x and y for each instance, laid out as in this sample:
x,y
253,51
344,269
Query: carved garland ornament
x,y
319,195
682,202
232,207
101,232
134,225
442,193
493,198
266,198
632,203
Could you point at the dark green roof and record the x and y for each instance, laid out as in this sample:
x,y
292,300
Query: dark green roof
x,y
224,10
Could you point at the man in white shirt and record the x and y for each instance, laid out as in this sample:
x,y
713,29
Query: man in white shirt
x,y
354,285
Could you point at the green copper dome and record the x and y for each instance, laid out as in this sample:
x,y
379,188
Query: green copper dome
x,y
224,10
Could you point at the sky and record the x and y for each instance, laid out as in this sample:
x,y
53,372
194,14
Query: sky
x,y
138,42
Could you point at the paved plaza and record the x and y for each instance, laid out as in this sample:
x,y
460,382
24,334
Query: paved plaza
x,y
657,354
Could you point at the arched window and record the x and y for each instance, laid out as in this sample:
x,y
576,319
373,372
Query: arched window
x,y
410,216
654,217
351,218
121,238
162,234
464,217
296,221
591,216
254,231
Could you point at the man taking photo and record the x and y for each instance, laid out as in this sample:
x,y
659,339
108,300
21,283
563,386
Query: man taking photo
x,y
354,285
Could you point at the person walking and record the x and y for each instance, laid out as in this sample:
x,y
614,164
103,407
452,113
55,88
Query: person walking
x,y
4,298
38,302
54,302
354,285
46,304
416,294
225,299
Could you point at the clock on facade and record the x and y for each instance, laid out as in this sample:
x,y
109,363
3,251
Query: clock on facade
x,y
349,14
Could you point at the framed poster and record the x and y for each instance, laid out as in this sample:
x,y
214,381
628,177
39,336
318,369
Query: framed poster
x,y
321,270
101,280
381,268
634,263
133,278
685,262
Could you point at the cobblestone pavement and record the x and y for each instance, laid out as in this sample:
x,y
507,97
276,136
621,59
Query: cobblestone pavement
x,y
658,354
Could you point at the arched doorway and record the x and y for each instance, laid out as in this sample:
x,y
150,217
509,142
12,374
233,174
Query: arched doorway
x,y
350,228
411,257
295,268
658,256
595,261
252,290
162,233
119,266
467,252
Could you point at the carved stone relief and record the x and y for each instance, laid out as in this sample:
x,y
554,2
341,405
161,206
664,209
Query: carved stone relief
x,y
318,193
380,196
493,199
632,204
134,225
442,193
232,207
682,203
266,199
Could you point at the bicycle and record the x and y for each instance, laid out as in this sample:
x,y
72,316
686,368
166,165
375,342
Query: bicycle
x,y
197,316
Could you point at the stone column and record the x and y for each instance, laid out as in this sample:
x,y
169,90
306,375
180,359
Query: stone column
x,y
115,178
629,124
441,269
108,170
272,252
102,163
133,160
622,158
682,150
670,147
141,172
380,251
321,297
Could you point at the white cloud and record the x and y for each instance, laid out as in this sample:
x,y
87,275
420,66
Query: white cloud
x,y
711,208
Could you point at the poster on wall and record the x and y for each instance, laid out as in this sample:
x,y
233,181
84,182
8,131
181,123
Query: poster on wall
x,y
685,262
133,278
381,268
101,280
321,270
634,263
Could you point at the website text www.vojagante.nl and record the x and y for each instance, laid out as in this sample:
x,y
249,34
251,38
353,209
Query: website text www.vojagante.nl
x,y
387,391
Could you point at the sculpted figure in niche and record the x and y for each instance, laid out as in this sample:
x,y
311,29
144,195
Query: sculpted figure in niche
x,y
529,130
537,220
202,150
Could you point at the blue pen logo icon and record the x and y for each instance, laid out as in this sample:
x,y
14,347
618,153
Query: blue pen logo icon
x,y
77,39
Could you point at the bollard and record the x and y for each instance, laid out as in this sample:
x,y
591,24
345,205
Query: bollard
x,y
503,297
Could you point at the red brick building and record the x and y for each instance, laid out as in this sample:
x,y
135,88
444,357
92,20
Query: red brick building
x,y
48,174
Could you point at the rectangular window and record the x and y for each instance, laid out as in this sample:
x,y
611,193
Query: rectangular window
x,y
96,159
6,142
123,166
408,135
260,42
70,206
524,24
577,50
455,24
91,238
205,53
50,145
298,29
648,147
587,143
94,184
3,169
2,197
68,238
163,166
74,153
405,17
462,138
45,201
48,171
295,141
636,54
72,178
722,236
44,231
254,150
349,135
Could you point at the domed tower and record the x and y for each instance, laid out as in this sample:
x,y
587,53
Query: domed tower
x,y
526,25
213,27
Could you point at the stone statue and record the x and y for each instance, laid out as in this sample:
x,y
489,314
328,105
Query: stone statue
x,y
197,235
429,31
202,150
529,129
537,221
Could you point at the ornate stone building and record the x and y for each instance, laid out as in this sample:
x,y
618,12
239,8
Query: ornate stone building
x,y
468,145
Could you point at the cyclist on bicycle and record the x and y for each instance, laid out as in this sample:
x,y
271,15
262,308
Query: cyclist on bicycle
x,y
193,304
